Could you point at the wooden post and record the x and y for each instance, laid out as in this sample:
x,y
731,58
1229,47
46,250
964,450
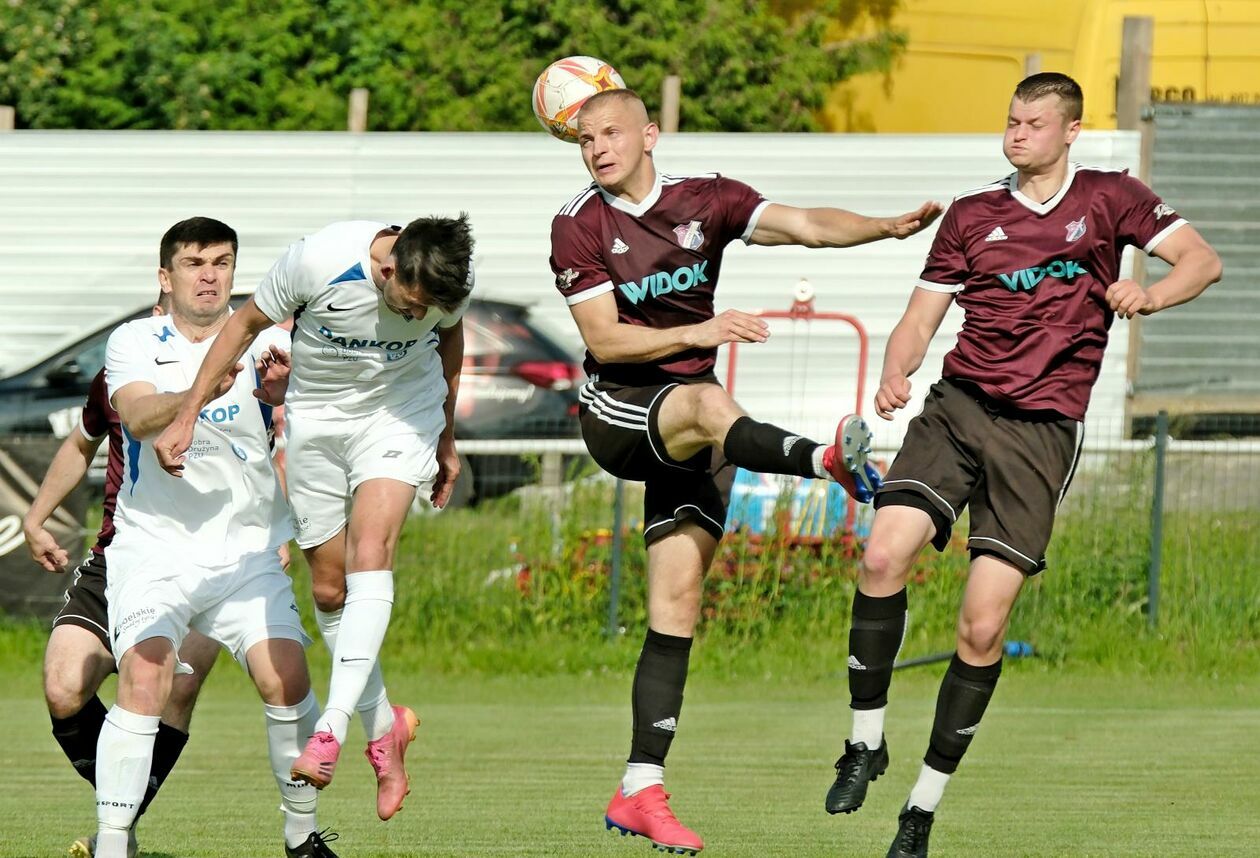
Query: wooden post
x,y
671,96
358,110
8,117
1032,64
1133,112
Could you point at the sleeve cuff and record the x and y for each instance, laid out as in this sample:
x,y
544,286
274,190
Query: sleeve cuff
x,y
587,294
752,221
87,434
1162,234
951,288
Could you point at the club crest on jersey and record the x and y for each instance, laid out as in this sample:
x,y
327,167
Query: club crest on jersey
x,y
565,278
689,236
1163,210
1076,229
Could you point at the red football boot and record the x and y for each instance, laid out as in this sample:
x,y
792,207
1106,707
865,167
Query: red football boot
x,y
647,814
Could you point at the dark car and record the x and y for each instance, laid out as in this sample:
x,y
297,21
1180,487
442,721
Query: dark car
x,y
517,382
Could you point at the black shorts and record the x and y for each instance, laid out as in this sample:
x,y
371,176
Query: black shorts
x,y
619,425
85,600
1010,468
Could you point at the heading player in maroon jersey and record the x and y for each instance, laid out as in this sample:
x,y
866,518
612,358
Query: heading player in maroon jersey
x,y
1034,261
637,256
78,657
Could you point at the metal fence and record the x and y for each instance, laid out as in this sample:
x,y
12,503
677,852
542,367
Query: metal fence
x,y
1150,521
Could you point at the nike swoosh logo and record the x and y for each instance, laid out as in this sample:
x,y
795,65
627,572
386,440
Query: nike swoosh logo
x,y
161,362
345,660
333,309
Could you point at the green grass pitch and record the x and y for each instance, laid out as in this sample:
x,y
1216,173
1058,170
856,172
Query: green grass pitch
x,y
1064,765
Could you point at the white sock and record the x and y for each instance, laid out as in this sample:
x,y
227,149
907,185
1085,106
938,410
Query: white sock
x,y
868,727
640,776
369,600
124,756
928,789
821,472
373,707
288,728
377,715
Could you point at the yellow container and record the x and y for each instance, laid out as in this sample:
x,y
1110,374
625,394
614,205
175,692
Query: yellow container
x,y
964,59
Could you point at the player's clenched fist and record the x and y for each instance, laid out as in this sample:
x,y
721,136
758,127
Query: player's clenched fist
x,y
1127,299
893,393
731,326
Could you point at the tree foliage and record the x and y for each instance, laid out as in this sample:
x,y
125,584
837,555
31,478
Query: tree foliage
x,y
449,65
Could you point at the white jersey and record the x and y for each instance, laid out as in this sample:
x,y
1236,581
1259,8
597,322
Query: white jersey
x,y
352,356
228,503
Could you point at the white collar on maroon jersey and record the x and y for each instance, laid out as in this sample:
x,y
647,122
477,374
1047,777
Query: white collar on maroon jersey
x,y
637,209
1012,183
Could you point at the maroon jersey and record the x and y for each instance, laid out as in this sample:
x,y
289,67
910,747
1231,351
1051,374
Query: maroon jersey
x,y
97,419
660,258
1032,280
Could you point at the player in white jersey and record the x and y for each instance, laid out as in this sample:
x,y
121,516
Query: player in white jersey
x,y
199,553
377,350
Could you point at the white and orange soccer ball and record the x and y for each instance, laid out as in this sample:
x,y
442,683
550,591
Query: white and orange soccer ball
x,y
564,86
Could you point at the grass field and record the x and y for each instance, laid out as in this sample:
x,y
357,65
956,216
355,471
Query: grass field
x,y
1065,765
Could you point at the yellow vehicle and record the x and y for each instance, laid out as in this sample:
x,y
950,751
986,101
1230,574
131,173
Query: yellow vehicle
x,y
965,56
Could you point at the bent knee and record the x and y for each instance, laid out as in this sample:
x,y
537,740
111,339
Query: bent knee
x,y
328,595
984,636
883,564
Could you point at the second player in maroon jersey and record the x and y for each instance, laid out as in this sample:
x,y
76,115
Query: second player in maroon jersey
x,y
637,256
1034,262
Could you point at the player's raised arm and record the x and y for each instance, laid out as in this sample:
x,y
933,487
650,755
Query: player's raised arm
x,y
1195,266
611,341
220,366
828,227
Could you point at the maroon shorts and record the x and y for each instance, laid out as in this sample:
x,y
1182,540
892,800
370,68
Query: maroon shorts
x,y
1009,468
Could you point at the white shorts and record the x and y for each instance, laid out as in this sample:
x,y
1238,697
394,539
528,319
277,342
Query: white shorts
x,y
327,460
152,594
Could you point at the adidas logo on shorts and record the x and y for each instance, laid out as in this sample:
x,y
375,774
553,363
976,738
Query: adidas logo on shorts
x,y
670,724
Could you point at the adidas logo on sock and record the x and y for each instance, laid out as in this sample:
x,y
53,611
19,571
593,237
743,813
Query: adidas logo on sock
x,y
670,724
789,442
854,664
968,731
996,235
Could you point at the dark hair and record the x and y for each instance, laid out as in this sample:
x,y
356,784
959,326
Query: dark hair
x,y
1043,84
197,231
620,94
434,255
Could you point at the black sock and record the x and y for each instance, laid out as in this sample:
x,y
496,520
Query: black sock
x,y
167,746
878,626
768,449
965,692
657,695
77,737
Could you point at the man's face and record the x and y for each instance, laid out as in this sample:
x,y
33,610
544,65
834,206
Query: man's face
x,y
615,137
199,281
409,303
1038,133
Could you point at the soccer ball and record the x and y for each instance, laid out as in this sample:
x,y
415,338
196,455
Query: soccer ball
x,y
564,86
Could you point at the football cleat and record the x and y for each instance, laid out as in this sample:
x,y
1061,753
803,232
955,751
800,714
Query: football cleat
x,y
317,761
846,459
854,771
85,847
386,756
913,828
647,814
314,846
